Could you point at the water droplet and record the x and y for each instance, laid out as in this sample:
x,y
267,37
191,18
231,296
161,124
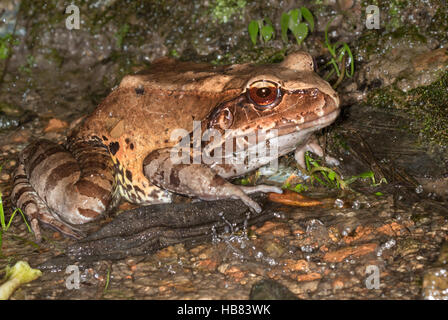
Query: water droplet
x,y
356,204
419,189
339,203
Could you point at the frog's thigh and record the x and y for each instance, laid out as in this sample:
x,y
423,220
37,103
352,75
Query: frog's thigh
x,y
26,198
74,184
196,180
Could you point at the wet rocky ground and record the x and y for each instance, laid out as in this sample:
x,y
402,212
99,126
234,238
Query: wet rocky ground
x,y
328,252
374,241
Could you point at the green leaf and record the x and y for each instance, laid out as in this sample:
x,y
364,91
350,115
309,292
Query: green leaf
x,y
4,51
267,32
253,31
331,175
300,187
368,174
294,18
308,16
300,32
284,23
268,21
352,61
329,46
335,66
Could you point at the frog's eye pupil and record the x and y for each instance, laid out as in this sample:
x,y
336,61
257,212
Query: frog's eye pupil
x,y
264,94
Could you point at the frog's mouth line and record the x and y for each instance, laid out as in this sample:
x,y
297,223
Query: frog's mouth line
x,y
316,124
291,127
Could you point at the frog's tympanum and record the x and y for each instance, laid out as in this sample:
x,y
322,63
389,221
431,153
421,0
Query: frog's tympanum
x,y
124,148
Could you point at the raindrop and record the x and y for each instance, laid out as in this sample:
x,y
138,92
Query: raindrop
x,y
419,189
339,203
356,204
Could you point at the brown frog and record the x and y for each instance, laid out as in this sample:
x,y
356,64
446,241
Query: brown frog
x,y
129,146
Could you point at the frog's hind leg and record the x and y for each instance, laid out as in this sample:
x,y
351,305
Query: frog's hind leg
x,y
55,185
26,198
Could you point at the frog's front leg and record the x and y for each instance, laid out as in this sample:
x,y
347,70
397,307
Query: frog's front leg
x,y
197,180
313,146
54,185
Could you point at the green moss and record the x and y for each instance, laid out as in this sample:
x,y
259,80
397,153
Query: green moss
x,y
395,15
439,25
410,33
261,55
429,107
121,33
386,97
223,10
426,107
378,42
55,56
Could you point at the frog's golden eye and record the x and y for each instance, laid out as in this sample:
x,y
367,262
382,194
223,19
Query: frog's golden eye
x,y
264,94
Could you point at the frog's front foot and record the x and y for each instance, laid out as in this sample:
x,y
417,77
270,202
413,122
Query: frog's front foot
x,y
197,180
313,146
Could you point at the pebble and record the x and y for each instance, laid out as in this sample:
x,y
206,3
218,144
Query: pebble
x,y
355,251
55,125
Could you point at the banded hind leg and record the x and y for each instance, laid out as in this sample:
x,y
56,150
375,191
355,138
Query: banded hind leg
x,y
63,187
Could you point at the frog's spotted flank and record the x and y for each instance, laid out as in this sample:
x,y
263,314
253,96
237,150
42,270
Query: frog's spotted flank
x,y
114,147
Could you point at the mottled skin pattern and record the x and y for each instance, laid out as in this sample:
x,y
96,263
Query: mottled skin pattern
x,y
123,148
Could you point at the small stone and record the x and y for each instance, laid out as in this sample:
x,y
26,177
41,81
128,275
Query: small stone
x,y
356,251
277,229
296,265
55,125
436,59
20,136
435,284
274,249
207,264
270,290
235,272
337,284
309,277
223,267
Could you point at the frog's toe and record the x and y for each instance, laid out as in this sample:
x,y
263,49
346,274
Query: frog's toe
x,y
261,188
332,161
314,147
251,203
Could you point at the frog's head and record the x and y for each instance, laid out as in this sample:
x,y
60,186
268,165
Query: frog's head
x,y
288,97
